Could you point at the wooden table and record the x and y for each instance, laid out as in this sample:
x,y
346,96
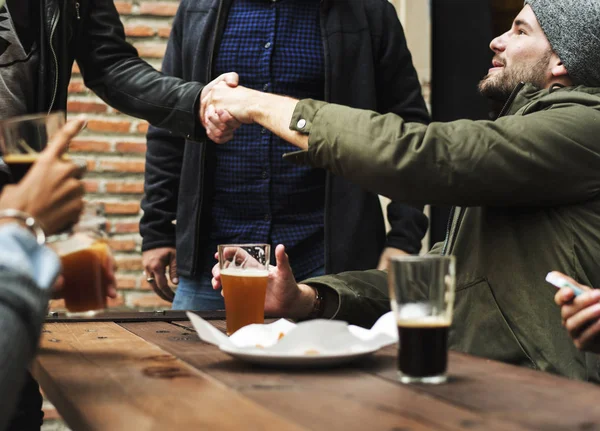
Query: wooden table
x,y
159,376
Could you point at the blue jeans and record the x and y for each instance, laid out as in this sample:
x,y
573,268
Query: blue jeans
x,y
197,293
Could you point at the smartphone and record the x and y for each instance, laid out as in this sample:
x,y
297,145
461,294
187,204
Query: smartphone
x,y
560,282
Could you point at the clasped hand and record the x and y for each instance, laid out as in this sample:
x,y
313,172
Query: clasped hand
x,y
224,107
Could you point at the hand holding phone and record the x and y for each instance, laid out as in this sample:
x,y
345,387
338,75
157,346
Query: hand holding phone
x,y
559,281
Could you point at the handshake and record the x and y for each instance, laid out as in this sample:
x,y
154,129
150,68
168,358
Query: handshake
x,y
225,106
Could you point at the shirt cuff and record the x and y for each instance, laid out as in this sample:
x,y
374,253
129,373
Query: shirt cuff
x,y
302,121
20,252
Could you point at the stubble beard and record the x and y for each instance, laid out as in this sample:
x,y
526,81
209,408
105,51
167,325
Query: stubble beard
x,y
498,86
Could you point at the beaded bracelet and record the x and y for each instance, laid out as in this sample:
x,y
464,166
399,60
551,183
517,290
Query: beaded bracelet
x,y
28,221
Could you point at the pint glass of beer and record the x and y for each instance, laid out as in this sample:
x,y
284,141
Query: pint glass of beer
x,y
422,296
85,255
244,276
22,139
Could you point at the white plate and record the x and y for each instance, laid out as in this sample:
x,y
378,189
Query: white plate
x,y
296,360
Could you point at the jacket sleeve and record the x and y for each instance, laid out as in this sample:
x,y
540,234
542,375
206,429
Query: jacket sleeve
x,y
164,159
540,159
27,271
363,295
112,68
399,92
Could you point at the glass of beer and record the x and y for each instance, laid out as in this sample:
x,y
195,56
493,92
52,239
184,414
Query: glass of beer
x,y
22,139
85,257
422,297
244,276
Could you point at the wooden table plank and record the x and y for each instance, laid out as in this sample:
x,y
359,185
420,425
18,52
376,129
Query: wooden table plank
x,y
535,399
102,377
343,398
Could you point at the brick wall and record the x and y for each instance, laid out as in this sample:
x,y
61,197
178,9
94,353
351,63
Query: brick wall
x,y
114,145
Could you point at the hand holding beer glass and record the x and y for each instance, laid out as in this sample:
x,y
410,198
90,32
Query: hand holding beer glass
x,y
87,263
244,272
422,297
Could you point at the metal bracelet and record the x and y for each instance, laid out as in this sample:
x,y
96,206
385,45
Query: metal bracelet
x,y
29,222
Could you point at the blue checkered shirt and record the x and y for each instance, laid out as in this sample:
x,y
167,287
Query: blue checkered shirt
x,y
275,47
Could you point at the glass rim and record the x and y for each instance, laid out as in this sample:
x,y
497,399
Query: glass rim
x,y
30,117
243,245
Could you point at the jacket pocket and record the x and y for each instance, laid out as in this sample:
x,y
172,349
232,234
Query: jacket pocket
x,y
480,328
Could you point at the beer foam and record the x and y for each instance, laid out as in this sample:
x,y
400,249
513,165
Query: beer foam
x,y
425,322
240,272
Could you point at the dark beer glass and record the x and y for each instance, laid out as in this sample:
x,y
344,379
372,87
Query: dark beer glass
x,y
422,296
23,138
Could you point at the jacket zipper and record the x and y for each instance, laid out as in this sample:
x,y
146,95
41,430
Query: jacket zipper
x,y
77,10
208,79
55,58
455,218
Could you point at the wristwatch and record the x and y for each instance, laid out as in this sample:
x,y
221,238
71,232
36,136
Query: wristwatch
x,y
318,305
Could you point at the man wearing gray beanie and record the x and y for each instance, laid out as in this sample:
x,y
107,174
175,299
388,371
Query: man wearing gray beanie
x,y
573,30
526,188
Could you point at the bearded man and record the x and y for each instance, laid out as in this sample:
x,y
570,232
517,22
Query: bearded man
x,y
526,188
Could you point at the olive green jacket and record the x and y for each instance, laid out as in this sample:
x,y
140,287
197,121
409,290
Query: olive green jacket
x,y
527,186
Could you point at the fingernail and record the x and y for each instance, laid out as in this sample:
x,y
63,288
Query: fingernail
x,y
175,280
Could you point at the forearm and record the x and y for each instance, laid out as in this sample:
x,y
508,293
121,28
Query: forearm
x,y
274,113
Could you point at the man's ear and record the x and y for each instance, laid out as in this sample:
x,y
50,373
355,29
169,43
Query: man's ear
x,y
557,67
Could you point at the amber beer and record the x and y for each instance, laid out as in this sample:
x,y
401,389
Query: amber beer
x,y
244,291
423,346
20,164
84,277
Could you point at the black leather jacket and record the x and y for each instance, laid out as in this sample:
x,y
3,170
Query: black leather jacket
x,y
91,32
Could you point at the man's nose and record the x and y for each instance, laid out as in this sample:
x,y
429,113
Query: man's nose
x,y
498,44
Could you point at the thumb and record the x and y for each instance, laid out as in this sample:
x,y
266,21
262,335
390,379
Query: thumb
x,y
173,268
283,261
231,78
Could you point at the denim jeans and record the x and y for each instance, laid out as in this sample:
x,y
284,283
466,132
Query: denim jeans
x,y
197,293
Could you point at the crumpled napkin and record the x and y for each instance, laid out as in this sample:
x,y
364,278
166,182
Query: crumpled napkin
x,y
318,337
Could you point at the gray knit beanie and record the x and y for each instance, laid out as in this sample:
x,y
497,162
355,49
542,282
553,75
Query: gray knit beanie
x,y
573,29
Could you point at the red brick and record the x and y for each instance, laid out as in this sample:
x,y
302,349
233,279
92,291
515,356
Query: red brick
x,y
77,86
159,8
151,49
143,127
150,300
79,145
86,107
119,301
122,187
127,282
123,8
164,32
129,263
134,166
123,226
91,165
109,126
121,207
136,30
131,147
91,186
122,244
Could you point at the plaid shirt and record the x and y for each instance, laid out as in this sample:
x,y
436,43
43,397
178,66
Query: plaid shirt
x,y
275,46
